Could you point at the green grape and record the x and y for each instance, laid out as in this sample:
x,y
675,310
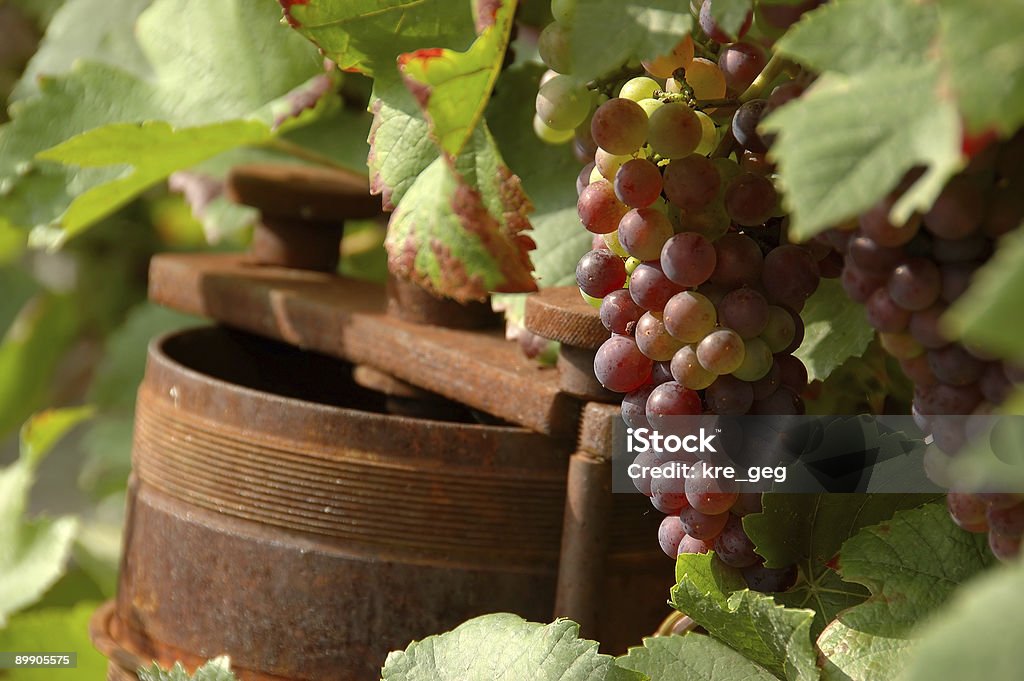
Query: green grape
x,y
631,264
781,329
708,134
675,130
564,11
563,103
608,164
650,105
591,300
639,88
757,360
555,47
611,240
548,134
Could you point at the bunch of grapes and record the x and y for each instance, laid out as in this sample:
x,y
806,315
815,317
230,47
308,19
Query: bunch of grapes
x,y
907,276
690,266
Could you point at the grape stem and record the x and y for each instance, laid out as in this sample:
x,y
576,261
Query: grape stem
x,y
776,65
725,145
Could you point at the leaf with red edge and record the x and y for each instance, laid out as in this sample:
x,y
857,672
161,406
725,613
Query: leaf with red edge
x,y
911,564
459,229
364,36
453,87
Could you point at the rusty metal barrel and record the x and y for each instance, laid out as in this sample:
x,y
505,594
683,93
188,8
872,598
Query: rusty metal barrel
x,y
278,515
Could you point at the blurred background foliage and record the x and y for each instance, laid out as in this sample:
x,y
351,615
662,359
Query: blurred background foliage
x,y
75,324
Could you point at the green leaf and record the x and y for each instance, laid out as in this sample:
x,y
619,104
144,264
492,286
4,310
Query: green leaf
x,y
988,314
198,78
730,14
33,553
751,623
42,332
505,647
975,636
361,35
218,669
444,234
850,139
808,530
835,329
851,36
548,175
911,564
154,150
692,657
17,286
981,45
87,30
608,33
57,630
453,87
400,145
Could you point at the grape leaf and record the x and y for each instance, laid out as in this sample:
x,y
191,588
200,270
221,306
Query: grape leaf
x,y
988,314
218,669
361,35
808,530
453,87
548,175
154,150
730,14
608,33
445,236
981,45
87,30
33,553
198,79
692,657
39,336
974,636
835,329
838,155
911,564
751,623
505,647
400,145
55,630
850,36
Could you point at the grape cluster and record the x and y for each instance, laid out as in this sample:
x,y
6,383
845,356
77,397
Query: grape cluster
x,y
690,267
907,276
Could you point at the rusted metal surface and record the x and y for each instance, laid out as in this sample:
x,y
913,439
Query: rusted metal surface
x,y
372,379
347,318
576,375
299,192
308,537
413,303
297,243
561,314
597,429
585,537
